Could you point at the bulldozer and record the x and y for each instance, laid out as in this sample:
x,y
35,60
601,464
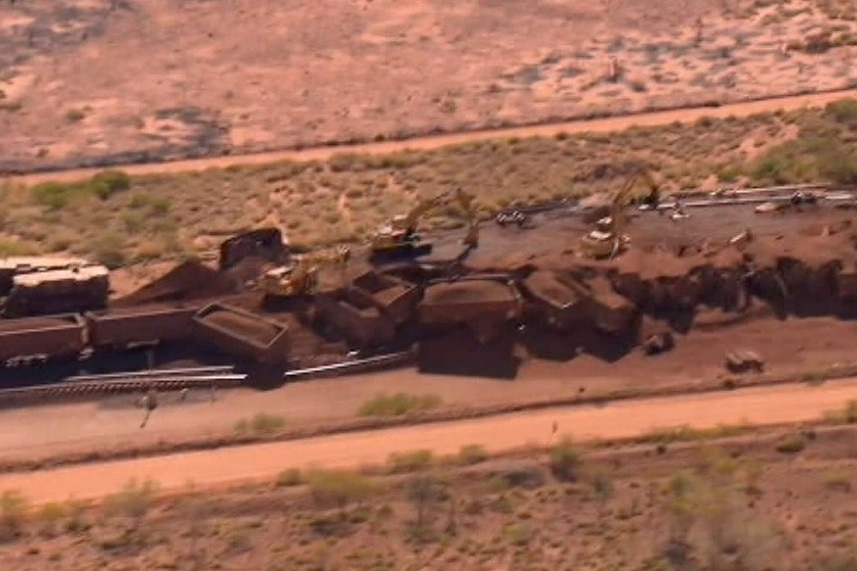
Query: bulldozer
x,y
608,239
300,276
400,235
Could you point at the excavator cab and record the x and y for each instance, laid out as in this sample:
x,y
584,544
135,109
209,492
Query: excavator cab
x,y
300,276
400,235
608,239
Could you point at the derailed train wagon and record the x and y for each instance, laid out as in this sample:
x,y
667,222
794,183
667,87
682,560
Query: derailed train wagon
x,y
129,327
242,334
56,336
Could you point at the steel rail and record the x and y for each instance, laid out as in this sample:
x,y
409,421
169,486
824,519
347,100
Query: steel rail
x,y
154,373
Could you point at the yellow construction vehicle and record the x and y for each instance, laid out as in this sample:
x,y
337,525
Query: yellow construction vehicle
x,y
300,276
400,235
608,238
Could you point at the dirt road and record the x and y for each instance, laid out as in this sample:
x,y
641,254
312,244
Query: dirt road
x,y
787,403
431,142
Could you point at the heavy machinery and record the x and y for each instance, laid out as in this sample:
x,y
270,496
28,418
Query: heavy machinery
x,y
608,239
400,235
300,275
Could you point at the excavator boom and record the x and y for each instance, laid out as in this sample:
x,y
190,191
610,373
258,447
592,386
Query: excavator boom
x,y
609,239
300,278
400,234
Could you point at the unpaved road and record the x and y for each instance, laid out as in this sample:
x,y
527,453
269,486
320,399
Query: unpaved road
x,y
609,124
782,404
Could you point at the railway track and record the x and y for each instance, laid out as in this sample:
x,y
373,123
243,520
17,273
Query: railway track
x,y
88,386
84,386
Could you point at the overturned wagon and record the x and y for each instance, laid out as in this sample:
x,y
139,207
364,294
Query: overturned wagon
x,y
242,334
483,305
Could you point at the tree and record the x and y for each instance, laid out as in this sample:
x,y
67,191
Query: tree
x,y
424,491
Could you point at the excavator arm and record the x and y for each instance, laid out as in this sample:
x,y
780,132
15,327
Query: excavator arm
x,y
466,201
610,237
402,228
409,221
300,278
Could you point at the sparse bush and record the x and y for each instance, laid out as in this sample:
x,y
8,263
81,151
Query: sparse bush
x,y
851,412
398,404
566,461
424,491
107,183
837,480
519,534
261,424
601,480
528,477
471,454
56,196
842,111
74,115
791,444
402,462
290,477
15,248
338,488
77,521
13,509
133,502
267,423
50,516
771,168
159,205
52,195
109,250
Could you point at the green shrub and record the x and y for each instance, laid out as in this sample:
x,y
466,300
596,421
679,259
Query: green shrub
x,y
261,424
791,444
338,487
402,462
566,461
290,477
267,423
103,185
842,111
851,412
107,183
109,250
133,501
15,248
52,195
13,509
74,115
771,167
472,454
398,404
50,516
519,534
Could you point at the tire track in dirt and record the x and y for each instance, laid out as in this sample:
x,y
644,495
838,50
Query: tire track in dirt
x,y
615,123
261,462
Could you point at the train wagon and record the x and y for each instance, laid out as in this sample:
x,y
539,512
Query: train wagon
x,y
134,326
49,337
58,291
242,334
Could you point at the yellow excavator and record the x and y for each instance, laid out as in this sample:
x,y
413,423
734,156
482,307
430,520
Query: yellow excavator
x,y
608,238
400,235
300,276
